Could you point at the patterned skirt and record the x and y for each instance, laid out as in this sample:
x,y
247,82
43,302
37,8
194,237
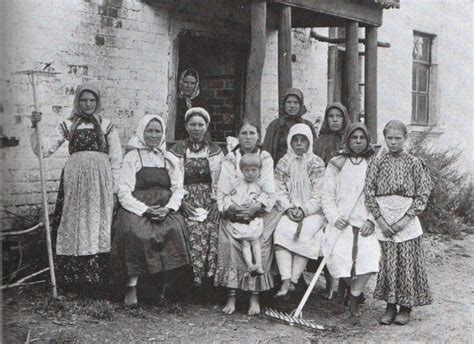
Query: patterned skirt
x,y
202,236
402,277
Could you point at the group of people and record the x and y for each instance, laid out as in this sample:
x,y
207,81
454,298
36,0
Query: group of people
x,y
298,196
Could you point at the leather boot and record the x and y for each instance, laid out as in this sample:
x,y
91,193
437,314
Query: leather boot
x,y
403,316
390,313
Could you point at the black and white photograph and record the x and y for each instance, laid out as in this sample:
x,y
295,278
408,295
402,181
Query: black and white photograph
x,y
237,171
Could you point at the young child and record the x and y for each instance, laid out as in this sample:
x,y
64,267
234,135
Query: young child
x,y
243,193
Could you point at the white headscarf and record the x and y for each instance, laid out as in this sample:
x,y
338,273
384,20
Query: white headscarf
x,y
138,140
300,184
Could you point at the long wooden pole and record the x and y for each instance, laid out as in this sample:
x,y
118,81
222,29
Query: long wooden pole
x,y
258,9
285,77
370,101
32,79
352,70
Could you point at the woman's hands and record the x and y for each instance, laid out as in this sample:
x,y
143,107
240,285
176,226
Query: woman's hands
x,y
187,209
157,213
387,231
244,213
35,118
214,214
367,228
401,224
295,214
341,223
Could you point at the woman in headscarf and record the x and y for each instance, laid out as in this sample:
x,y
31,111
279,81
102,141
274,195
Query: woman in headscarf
x,y
351,245
331,135
299,234
397,188
149,232
188,97
291,111
200,161
232,270
87,190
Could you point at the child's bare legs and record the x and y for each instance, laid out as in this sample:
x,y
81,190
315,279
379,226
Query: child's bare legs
x,y
257,254
297,268
247,253
284,260
229,307
254,307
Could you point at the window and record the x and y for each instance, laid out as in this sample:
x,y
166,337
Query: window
x,y
422,44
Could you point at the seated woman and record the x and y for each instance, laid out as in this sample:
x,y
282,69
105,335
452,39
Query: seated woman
x,y
188,97
200,162
87,190
331,135
397,189
299,234
148,229
232,270
350,243
291,111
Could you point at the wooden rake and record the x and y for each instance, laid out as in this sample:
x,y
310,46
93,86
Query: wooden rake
x,y
296,316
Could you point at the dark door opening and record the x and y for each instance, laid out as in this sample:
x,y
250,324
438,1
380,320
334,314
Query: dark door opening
x,y
222,72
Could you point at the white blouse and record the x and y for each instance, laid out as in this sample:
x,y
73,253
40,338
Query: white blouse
x,y
51,144
150,158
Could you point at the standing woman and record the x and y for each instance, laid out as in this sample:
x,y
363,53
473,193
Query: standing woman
x,y
87,190
188,97
148,229
356,253
291,111
397,189
232,270
200,162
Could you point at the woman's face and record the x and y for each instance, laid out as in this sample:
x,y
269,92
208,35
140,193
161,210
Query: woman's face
x,y
188,85
358,141
335,119
196,127
248,137
87,103
292,105
395,139
153,134
299,144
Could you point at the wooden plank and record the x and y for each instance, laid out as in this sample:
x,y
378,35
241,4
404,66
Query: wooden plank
x,y
258,10
285,78
370,101
352,70
348,9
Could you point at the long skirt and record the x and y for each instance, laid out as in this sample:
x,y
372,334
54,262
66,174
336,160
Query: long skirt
x,y
83,219
203,236
232,271
402,277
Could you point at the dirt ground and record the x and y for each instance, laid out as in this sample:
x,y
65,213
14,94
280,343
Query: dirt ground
x,y
29,314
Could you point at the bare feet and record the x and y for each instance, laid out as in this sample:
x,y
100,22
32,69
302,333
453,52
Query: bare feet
x,y
254,307
285,288
229,307
130,299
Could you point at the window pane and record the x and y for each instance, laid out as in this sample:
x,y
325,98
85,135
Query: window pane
x,y
423,78
413,108
422,109
421,48
414,74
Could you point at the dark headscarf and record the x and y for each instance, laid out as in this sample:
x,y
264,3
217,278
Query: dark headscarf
x,y
298,94
77,116
330,141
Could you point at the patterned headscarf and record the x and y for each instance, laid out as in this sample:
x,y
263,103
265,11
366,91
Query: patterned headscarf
x,y
368,151
300,189
77,116
138,140
192,72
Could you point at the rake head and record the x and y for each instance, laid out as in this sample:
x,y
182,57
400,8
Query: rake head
x,y
292,320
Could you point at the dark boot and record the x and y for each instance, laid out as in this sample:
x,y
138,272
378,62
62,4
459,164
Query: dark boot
x,y
403,316
390,313
338,307
354,305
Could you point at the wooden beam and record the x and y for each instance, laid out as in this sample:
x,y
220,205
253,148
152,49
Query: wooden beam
x,y
370,101
352,70
285,76
258,40
360,11
331,40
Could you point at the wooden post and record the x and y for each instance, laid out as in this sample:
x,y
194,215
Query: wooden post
x,y
285,78
370,101
258,40
352,70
